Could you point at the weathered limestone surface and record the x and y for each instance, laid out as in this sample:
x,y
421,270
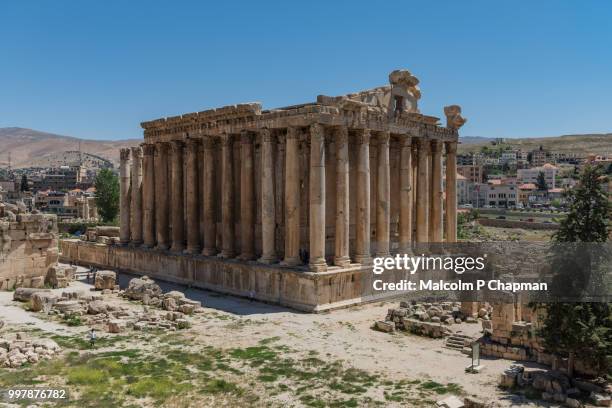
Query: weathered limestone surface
x,y
28,249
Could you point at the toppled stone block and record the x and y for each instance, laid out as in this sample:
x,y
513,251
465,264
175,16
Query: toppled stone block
x,y
105,280
182,324
42,301
187,308
96,307
508,378
450,402
138,287
56,277
169,304
382,326
116,326
68,306
25,294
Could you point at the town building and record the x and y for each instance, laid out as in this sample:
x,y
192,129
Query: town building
x,y
474,173
531,175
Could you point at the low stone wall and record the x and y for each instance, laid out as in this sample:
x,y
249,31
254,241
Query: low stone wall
x,y
488,222
299,289
28,249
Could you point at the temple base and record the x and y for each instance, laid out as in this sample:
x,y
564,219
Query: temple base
x,y
292,287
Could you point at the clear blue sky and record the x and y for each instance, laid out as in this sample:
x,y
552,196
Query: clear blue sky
x,y
96,69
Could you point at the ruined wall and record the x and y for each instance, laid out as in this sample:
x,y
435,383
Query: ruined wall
x,y
28,249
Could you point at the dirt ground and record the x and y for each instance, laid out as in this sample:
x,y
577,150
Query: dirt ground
x,y
339,337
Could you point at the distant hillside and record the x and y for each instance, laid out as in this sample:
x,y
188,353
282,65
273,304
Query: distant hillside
x,y
31,148
474,139
582,144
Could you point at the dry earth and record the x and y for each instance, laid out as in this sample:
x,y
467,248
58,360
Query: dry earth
x,y
249,353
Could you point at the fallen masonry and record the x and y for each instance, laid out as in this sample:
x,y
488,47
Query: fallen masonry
x,y
555,386
429,319
169,311
17,350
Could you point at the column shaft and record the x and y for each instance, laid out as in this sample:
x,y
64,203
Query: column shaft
x,y
317,199
247,198
148,194
210,222
362,239
406,190
177,207
268,205
341,247
136,202
292,199
161,196
227,199
436,192
383,194
451,192
124,196
423,192
192,196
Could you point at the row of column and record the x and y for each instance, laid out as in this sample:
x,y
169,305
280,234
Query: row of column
x,y
146,213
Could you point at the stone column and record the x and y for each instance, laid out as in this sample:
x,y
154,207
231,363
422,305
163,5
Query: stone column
x,y
148,195
161,196
341,247
436,193
124,196
210,223
136,202
192,197
227,199
451,191
85,208
317,199
406,189
362,238
247,198
268,207
383,194
422,202
177,205
292,199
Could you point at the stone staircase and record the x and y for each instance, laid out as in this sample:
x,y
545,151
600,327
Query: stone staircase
x,y
459,342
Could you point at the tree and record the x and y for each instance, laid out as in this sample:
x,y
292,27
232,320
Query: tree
x,y
581,329
24,186
107,195
541,182
609,171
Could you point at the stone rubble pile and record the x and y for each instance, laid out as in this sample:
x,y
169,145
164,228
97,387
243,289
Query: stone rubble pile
x,y
94,309
428,318
555,386
17,351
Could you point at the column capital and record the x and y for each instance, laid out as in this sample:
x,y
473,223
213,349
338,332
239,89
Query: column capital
x,y
226,139
148,149
451,147
436,146
363,136
176,145
136,152
192,143
293,132
124,154
208,142
405,141
246,137
424,144
341,134
383,137
317,130
266,135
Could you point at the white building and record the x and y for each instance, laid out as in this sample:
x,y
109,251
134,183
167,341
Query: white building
x,y
531,175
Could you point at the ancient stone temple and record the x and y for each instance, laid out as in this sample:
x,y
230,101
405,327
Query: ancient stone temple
x,y
288,205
